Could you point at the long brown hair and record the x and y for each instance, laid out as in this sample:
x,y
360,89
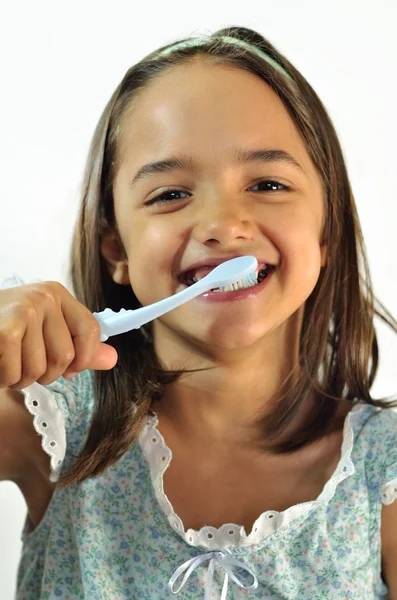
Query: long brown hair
x,y
338,343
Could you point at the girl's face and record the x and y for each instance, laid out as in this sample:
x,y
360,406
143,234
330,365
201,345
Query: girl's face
x,y
209,204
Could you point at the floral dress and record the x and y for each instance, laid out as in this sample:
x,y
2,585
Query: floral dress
x,y
117,537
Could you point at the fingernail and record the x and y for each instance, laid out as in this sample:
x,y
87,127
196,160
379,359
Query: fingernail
x,y
69,375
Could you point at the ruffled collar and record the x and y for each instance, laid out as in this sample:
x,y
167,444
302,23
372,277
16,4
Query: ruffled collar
x,y
159,456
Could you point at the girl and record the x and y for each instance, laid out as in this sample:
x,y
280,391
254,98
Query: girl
x,y
231,448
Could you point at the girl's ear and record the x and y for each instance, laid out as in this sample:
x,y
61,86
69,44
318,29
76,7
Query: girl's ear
x,y
115,257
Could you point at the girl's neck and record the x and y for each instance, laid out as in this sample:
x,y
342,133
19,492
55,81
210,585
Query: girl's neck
x,y
223,404
225,418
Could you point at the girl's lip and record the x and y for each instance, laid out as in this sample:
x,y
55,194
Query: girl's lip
x,y
237,294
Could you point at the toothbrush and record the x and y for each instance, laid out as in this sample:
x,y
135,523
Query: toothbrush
x,y
240,271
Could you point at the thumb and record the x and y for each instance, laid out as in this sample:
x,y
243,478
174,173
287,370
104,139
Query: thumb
x,y
104,359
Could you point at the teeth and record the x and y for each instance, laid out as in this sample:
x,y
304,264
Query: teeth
x,y
259,269
249,281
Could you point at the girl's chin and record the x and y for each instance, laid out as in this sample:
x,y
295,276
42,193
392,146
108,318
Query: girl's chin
x,y
230,337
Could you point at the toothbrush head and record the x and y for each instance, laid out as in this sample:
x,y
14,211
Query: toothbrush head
x,y
239,272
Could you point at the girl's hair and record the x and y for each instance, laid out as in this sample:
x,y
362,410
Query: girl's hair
x,y
338,343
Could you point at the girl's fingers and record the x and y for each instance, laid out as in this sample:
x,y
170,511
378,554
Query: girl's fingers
x,y
45,333
59,347
33,355
11,334
85,330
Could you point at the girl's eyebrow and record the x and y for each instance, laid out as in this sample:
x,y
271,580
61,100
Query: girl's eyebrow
x,y
188,163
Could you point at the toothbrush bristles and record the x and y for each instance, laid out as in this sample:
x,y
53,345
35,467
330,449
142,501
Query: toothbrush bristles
x,y
247,282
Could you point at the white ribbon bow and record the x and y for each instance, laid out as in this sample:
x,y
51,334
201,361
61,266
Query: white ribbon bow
x,y
222,558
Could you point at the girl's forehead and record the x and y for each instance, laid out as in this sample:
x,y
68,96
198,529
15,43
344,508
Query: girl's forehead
x,y
207,109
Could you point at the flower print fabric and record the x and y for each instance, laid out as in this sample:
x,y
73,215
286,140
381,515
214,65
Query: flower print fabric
x,y
116,537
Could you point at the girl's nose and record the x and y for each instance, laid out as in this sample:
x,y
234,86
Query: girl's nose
x,y
223,225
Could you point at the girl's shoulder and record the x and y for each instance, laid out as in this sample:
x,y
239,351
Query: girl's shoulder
x,y
375,425
61,413
375,440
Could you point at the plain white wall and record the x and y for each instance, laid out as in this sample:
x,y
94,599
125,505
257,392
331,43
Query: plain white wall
x,y
59,64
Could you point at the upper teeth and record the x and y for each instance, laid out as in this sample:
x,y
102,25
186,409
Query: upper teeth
x,y
260,268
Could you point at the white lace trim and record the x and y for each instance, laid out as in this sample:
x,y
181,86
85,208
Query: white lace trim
x,y
49,422
159,457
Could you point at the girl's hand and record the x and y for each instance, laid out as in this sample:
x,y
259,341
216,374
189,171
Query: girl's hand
x,y
46,333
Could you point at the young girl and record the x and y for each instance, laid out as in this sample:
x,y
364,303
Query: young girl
x,y
231,448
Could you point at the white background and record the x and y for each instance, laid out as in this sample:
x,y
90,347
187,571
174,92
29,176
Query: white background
x,y
59,64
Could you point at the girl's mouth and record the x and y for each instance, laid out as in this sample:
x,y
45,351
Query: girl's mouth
x,y
232,292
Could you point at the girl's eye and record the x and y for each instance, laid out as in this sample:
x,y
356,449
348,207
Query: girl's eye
x,y
168,196
271,185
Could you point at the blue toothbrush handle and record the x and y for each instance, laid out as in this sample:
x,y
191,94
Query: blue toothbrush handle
x,y
109,320
114,323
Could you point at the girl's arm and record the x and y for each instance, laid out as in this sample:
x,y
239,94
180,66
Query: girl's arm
x,y
21,453
389,548
22,458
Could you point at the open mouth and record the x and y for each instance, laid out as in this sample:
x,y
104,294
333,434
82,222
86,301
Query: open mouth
x,y
191,277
